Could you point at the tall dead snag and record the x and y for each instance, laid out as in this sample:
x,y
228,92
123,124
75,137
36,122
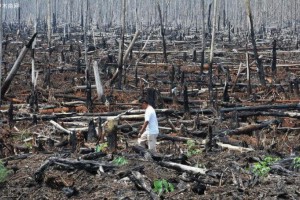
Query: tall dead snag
x,y
229,32
33,101
212,53
162,31
261,72
121,50
125,56
1,33
49,23
119,71
274,70
16,66
208,19
203,38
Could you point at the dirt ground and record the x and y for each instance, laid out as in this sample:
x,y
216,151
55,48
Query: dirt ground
x,y
229,173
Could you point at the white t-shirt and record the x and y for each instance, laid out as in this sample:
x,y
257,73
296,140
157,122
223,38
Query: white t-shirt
x,y
150,116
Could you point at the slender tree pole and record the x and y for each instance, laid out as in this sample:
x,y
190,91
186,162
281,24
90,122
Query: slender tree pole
x,y
33,46
274,61
261,73
212,52
16,66
203,36
162,30
121,50
1,30
49,23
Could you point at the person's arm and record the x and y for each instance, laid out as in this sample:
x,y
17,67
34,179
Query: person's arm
x,y
143,128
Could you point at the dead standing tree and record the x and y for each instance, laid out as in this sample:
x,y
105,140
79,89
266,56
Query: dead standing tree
x,y
119,71
1,32
16,66
162,31
261,73
203,37
49,23
212,53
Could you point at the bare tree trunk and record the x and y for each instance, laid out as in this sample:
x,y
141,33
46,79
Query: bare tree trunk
x,y
203,37
249,89
261,73
85,37
98,80
121,50
49,23
1,32
162,30
125,56
208,19
16,66
274,60
212,52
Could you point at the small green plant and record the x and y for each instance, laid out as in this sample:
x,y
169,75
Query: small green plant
x,y
262,168
3,173
296,163
191,148
28,145
102,147
120,161
162,185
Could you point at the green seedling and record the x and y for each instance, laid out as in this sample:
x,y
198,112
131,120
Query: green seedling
x,y
3,173
162,185
102,147
296,163
191,148
120,161
262,168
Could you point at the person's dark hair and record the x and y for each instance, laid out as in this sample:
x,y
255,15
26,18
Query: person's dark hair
x,y
144,101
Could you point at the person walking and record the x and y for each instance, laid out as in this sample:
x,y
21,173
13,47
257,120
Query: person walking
x,y
149,130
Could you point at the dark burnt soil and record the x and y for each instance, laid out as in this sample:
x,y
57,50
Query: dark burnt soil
x,y
229,174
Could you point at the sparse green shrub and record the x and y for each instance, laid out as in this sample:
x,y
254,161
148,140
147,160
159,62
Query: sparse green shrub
x,y
262,168
296,163
191,148
3,173
120,161
102,147
162,185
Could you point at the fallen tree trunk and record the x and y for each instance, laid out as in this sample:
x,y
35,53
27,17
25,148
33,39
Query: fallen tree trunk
x,y
60,127
263,107
234,148
185,168
262,113
91,166
247,129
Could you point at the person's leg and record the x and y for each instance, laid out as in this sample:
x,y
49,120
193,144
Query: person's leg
x,y
142,140
152,142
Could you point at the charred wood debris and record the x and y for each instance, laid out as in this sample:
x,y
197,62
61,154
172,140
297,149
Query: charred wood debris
x,y
74,106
